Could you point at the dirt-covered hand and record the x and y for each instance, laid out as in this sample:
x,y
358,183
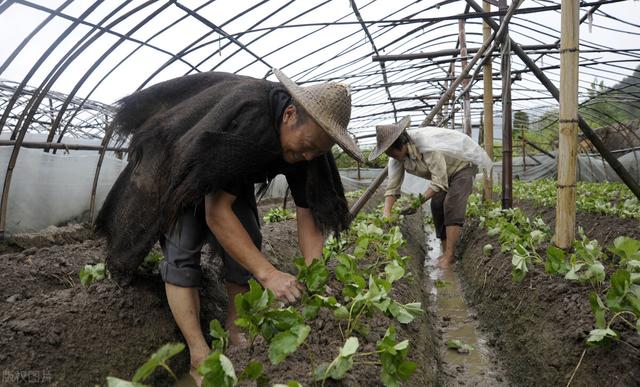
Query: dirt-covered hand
x,y
283,285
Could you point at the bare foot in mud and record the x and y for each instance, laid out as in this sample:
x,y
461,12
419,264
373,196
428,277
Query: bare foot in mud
x,y
446,261
197,378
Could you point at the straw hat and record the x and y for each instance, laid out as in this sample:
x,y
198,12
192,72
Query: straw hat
x,y
386,135
329,104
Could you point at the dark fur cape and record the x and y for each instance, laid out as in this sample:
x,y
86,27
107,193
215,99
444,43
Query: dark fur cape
x,y
190,136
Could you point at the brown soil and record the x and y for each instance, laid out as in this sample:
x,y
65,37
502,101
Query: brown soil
x,y
540,325
54,331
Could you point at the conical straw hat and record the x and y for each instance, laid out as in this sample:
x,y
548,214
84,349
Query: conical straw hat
x,y
329,104
386,135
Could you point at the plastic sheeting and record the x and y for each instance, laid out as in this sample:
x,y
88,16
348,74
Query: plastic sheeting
x,y
589,168
48,189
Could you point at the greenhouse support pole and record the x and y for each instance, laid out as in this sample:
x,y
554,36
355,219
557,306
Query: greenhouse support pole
x,y
568,139
524,152
362,200
466,106
488,109
507,135
538,148
105,144
453,95
438,106
620,170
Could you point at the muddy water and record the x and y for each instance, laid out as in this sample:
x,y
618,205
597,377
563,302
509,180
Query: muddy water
x,y
457,321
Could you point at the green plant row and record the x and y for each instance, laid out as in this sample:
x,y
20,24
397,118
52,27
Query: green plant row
x,y
365,263
614,298
608,198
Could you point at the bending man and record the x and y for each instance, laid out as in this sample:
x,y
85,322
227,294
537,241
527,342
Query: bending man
x,y
199,144
447,158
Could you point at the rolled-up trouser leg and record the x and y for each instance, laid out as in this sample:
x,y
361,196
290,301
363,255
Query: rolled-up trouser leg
x,y
455,203
183,244
182,247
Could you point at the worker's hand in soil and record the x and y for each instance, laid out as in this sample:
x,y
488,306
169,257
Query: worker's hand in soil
x,y
415,204
283,285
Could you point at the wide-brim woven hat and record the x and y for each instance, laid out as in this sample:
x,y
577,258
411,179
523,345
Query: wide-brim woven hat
x,y
386,135
329,104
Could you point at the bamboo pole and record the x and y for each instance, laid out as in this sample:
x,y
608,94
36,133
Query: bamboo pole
x,y
524,151
453,97
466,106
538,148
568,141
507,145
362,200
488,109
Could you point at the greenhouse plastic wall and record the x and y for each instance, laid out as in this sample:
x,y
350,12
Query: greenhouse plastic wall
x,y
50,189
589,168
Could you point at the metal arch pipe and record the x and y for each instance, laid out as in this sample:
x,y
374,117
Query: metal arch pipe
x,y
80,106
324,25
96,26
33,33
221,32
94,188
35,67
227,57
37,98
383,67
188,49
98,62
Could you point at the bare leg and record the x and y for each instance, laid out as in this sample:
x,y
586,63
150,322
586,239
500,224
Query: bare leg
x,y
235,335
453,236
185,307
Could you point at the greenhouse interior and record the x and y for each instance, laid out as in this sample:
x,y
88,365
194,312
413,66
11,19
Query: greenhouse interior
x,y
320,192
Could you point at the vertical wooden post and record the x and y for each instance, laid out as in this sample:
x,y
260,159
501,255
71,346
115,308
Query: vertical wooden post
x,y
524,154
507,153
444,113
466,106
481,129
453,96
488,109
568,144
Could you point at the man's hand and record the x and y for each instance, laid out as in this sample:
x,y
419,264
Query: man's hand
x,y
283,285
415,204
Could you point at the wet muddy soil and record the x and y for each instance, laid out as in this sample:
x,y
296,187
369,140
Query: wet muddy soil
x,y
474,363
539,326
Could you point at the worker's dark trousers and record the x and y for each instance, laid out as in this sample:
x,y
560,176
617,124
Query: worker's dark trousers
x,y
182,245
